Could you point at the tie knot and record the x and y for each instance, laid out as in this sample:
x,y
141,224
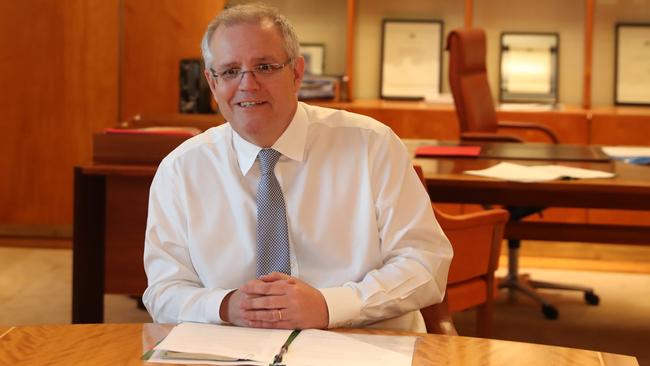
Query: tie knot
x,y
268,158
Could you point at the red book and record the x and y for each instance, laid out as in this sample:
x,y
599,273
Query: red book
x,y
453,151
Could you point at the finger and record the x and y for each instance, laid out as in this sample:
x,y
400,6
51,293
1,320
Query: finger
x,y
271,325
269,315
275,276
264,302
265,288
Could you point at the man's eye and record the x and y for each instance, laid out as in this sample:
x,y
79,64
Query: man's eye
x,y
230,73
265,68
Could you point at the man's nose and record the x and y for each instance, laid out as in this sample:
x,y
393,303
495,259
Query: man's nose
x,y
248,81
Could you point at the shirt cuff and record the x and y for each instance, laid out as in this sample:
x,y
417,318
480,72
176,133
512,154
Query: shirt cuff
x,y
343,306
213,305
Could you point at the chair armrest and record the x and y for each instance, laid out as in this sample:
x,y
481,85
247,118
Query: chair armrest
x,y
476,239
488,137
487,217
530,126
437,318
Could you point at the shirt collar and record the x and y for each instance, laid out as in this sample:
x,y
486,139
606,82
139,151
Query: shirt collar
x,y
290,144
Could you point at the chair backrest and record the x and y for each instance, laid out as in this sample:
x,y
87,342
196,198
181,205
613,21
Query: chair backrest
x,y
469,82
476,239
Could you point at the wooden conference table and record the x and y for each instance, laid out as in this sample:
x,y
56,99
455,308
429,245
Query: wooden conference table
x,y
628,190
111,207
124,344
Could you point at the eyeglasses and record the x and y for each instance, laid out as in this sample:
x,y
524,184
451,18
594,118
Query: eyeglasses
x,y
261,71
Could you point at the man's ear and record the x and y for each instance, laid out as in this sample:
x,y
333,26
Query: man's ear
x,y
298,72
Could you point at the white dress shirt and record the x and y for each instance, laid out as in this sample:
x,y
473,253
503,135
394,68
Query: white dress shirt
x,y
361,228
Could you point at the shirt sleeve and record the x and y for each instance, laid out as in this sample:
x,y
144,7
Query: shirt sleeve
x,y
416,254
174,293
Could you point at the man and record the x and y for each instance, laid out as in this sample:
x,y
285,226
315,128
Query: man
x,y
288,216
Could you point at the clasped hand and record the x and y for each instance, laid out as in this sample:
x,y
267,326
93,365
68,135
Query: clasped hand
x,y
278,301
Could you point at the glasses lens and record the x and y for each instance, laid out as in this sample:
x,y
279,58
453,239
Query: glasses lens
x,y
230,74
267,68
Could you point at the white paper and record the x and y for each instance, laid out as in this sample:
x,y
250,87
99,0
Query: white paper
x,y
537,173
626,151
235,342
324,348
158,357
310,348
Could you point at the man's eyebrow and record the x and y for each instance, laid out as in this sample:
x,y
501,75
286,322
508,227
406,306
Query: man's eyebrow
x,y
256,60
228,65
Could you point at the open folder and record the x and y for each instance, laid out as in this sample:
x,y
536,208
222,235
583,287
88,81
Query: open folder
x,y
198,343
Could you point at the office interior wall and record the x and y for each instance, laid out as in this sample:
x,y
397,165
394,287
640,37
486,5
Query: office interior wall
x,y
370,14
607,14
58,77
65,75
557,16
155,36
317,22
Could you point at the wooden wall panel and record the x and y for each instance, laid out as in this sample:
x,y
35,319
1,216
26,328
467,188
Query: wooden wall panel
x,y
570,125
156,35
58,71
126,220
620,126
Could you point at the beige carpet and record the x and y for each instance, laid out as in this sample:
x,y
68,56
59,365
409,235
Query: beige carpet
x,y
619,324
35,288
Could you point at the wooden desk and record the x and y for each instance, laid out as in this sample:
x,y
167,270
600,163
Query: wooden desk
x,y
628,190
110,215
124,344
111,210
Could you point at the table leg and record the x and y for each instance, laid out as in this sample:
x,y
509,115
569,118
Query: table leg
x,y
88,248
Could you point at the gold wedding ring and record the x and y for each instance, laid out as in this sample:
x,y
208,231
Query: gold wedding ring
x,y
280,315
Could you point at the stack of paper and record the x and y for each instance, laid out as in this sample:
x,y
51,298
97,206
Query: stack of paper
x,y
629,154
537,173
195,343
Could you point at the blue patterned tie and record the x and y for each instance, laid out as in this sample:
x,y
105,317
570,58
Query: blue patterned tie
x,y
272,235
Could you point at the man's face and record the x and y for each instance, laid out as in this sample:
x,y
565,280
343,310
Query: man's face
x,y
258,106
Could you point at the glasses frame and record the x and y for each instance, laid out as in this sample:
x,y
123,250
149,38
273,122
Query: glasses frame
x,y
275,68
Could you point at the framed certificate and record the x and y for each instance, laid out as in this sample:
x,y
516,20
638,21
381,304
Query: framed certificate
x,y
528,69
314,55
632,64
411,59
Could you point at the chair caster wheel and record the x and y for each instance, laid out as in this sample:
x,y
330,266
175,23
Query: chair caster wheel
x,y
550,312
591,298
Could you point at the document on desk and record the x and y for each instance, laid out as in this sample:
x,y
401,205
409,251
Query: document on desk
x,y
537,173
629,154
196,343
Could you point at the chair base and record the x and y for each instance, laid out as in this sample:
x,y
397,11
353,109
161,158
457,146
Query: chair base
x,y
522,283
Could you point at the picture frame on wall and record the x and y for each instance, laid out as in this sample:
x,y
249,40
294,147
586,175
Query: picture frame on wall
x,y
314,55
632,64
411,59
528,67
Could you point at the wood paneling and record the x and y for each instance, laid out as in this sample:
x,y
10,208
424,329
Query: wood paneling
x,y
156,35
620,126
408,119
571,125
126,220
58,71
